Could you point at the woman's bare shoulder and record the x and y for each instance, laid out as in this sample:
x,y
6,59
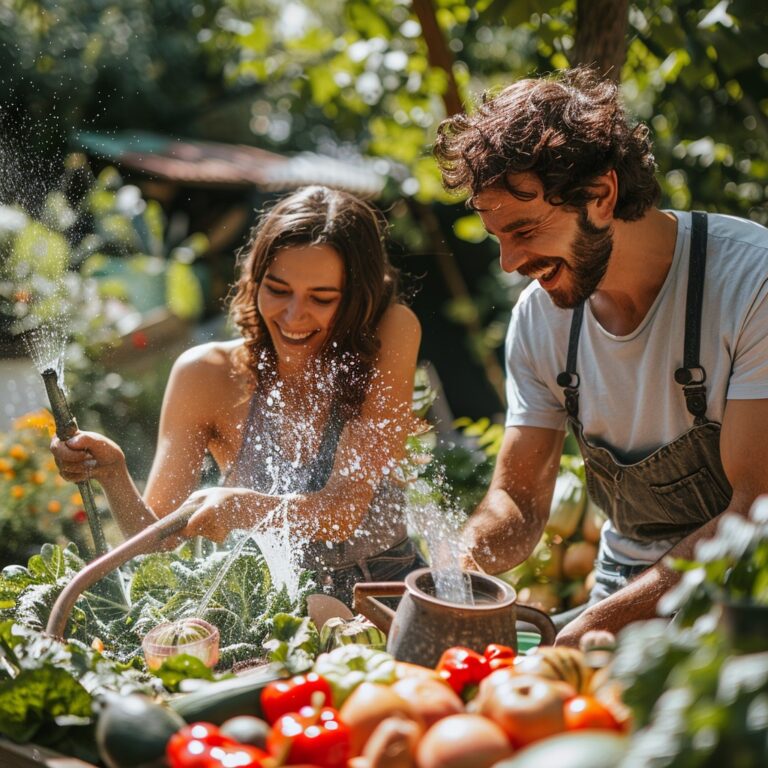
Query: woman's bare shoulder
x,y
399,323
208,363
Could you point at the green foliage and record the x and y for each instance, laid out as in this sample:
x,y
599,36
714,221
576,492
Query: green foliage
x,y
731,566
163,587
176,669
47,688
293,641
694,704
696,697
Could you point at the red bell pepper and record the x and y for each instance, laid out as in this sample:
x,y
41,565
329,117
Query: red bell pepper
x,y
499,656
283,696
313,735
202,745
462,668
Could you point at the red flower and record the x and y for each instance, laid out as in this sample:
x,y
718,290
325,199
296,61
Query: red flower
x,y
79,516
139,340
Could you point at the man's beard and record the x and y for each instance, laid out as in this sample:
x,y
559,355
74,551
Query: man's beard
x,y
590,255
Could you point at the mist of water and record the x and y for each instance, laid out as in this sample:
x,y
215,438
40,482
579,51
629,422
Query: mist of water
x,y
441,532
45,345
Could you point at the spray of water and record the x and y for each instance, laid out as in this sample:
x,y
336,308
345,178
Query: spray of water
x,y
45,345
278,456
440,530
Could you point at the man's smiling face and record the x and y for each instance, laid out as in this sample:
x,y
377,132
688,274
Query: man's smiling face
x,y
560,248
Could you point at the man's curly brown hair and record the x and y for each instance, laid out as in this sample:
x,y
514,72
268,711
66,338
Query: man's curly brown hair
x,y
566,129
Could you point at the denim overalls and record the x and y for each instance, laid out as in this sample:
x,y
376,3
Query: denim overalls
x,y
682,484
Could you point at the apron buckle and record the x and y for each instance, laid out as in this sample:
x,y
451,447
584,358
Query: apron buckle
x,y
696,399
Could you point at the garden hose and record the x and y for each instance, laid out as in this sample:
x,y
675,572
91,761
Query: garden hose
x,y
66,427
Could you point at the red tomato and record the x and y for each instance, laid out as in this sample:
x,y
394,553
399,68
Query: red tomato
x,y
583,712
283,696
499,656
202,745
462,668
190,746
315,736
237,756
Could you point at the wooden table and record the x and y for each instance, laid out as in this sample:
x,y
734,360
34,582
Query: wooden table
x,y
31,756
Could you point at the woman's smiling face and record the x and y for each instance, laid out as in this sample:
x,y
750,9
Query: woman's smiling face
x,y
299,296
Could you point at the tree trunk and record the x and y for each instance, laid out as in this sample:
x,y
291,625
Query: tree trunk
x,y
439,54
601,27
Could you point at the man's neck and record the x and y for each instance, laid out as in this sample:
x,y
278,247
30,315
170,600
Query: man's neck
x,y
641,258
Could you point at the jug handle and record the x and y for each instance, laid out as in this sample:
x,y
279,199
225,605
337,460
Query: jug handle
x,y
364,601
540,620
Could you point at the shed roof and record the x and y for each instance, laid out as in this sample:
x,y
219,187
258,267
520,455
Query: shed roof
x,y
216,164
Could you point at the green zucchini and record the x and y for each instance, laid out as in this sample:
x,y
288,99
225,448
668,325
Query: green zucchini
x,y
217,702
132,731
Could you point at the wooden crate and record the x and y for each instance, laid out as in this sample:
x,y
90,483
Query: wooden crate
x,y
31,756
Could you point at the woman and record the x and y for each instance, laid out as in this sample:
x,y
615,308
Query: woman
x,y
306,415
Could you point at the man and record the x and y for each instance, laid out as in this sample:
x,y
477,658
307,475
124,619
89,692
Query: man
x,y
661,371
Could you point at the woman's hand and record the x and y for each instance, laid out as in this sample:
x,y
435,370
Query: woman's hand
x,y
86,456
219,511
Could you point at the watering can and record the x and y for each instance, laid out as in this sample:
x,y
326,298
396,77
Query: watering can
x,y
424,625
145,541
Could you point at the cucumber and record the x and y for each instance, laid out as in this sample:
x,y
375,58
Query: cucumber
x,y
132,731
219,701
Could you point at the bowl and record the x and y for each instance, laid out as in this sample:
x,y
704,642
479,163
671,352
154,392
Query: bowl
x,y
193,637
527,640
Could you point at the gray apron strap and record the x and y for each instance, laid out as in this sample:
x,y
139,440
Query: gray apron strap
x,y
569,379
691,376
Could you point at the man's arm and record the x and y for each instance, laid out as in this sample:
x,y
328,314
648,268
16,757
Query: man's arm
x,y
509,521
745,460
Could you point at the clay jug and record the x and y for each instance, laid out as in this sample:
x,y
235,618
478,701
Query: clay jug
x,y
424,625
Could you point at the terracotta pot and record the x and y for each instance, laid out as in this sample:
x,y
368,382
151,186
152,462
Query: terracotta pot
x,y
424,625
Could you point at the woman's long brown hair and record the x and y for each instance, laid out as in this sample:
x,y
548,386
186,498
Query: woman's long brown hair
x,y
319,215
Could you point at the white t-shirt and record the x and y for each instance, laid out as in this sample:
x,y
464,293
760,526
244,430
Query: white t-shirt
x,y
628,398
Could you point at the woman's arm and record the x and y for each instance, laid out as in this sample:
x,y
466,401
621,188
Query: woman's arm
x,y
370,446
91,456
188,410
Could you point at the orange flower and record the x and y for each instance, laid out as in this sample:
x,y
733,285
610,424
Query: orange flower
x,y
38,477
18,452
17,492
76,499
42,420
54,506
5,465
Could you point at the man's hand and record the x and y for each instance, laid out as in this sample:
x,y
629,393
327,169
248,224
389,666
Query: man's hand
x,y
510,519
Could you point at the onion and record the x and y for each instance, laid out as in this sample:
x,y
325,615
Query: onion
x,y
462,741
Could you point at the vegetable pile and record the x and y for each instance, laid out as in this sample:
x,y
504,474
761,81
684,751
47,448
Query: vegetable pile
x,y
359,708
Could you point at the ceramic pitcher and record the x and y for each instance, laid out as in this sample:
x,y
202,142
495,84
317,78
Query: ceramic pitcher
x,y
424,625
